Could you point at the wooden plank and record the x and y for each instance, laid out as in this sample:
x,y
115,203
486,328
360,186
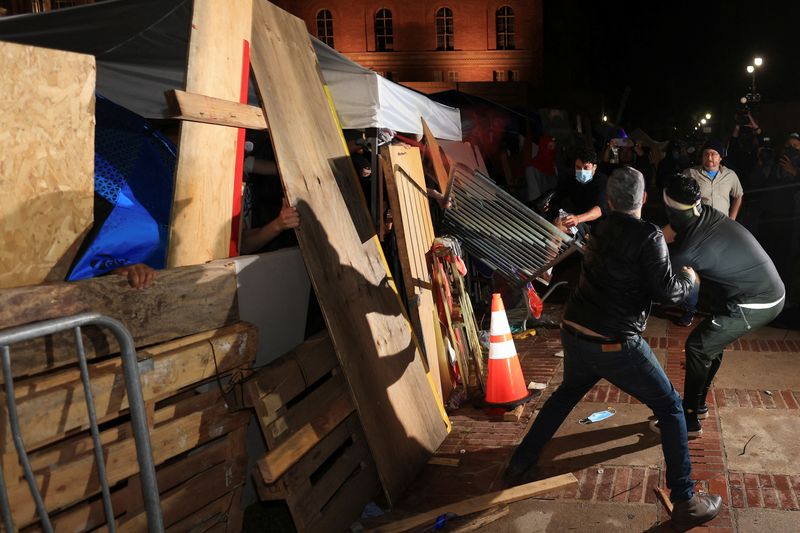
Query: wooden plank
x,y
349,501
207,155
480,503
210,110
126,499
186,499
479,161
414,229
215,516
279,460
274,386
435,154
65,483
305,411
47,166
467,525
514,415
180,302
445,461
48,407
381,361
459,152
664,499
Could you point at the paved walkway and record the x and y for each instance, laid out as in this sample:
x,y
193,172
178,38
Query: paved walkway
x,y
749,451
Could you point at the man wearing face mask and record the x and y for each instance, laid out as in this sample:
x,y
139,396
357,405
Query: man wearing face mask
x,y
747,291
582,194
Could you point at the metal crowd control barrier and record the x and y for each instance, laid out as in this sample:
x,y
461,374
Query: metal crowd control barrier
x,y
500,230
141,434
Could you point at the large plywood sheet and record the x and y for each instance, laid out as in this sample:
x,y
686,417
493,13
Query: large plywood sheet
x,y
380,358
207,155
411,213
47,162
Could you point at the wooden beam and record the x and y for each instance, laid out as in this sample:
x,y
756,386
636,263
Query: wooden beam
x,y
47,174
206,168
665,501
480,503
288,453
374,342
445,461
50,406
474,523
180,302
210,110
435,154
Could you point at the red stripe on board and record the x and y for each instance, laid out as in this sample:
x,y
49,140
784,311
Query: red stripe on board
x,y
236,211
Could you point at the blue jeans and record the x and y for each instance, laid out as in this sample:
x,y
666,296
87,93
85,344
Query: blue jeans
x,y
635,370
690,303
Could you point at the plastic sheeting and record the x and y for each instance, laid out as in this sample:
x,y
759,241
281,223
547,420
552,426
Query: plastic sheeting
x,y
141,48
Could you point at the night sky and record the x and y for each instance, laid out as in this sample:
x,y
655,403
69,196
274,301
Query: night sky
x,y
678,57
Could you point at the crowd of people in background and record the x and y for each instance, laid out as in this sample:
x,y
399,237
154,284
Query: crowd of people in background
x,y
746,175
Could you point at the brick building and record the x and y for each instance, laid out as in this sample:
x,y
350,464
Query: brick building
x,y
432,41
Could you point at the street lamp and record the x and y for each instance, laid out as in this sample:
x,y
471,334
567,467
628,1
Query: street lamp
x,y
703,121
751,69
708,116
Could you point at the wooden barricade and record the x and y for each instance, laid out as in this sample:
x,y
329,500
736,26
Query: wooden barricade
x,y
197,438
318,459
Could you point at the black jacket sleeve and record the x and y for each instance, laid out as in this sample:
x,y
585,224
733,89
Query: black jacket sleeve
x,y
665,286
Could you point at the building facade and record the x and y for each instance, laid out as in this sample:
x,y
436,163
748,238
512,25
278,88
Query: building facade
x,y
432,41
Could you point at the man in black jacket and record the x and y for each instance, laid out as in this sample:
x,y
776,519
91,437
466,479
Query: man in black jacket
x,y
746,288
625,266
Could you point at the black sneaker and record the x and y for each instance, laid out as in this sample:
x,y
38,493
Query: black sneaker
x,y
702,412
685,320
700,509
692,431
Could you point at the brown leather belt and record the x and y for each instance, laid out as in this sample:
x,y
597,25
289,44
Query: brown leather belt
x,y
589,338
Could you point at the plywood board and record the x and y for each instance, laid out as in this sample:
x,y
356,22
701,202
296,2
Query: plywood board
x,y
380,358
47,162
435,155
206,167
181,301
411,212
459,152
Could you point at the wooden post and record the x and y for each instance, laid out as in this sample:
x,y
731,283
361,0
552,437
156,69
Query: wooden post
x,y
207,168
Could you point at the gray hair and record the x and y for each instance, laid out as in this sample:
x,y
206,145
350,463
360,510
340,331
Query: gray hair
x,y
625,190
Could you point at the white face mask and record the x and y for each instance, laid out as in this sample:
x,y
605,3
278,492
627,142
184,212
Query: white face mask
x,y
583,176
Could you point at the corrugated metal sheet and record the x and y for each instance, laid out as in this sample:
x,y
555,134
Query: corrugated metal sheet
x,y
500,230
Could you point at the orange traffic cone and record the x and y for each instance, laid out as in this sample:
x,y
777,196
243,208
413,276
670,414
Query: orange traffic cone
x,y
505,385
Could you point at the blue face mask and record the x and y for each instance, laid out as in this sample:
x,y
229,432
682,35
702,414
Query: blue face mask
x,y
583,176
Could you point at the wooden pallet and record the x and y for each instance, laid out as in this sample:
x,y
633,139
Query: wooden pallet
x,y
197,442
318,459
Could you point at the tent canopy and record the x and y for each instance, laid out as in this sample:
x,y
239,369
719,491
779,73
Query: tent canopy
x,y
141,48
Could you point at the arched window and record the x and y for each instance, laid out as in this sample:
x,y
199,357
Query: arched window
x,y
444,29
384,37
325,27
505,28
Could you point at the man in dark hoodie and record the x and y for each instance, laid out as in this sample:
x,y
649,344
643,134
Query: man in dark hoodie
x,y
747,291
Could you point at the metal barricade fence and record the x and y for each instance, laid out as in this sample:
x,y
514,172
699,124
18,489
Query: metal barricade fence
x,y
141,434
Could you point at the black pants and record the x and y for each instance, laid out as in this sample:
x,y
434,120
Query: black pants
x,y
705,345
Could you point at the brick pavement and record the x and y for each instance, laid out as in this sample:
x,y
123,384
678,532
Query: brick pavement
x,y
476,431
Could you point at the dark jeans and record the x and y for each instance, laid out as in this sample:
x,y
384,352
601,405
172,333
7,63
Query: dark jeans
x,y
705,345
635,370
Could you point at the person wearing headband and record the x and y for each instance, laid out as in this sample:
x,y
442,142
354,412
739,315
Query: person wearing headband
x,y
746,290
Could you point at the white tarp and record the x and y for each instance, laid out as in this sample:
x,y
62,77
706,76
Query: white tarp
x,y
363,99
141,48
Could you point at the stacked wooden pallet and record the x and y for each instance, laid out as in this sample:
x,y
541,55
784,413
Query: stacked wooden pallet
x,y
318,459
188,335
